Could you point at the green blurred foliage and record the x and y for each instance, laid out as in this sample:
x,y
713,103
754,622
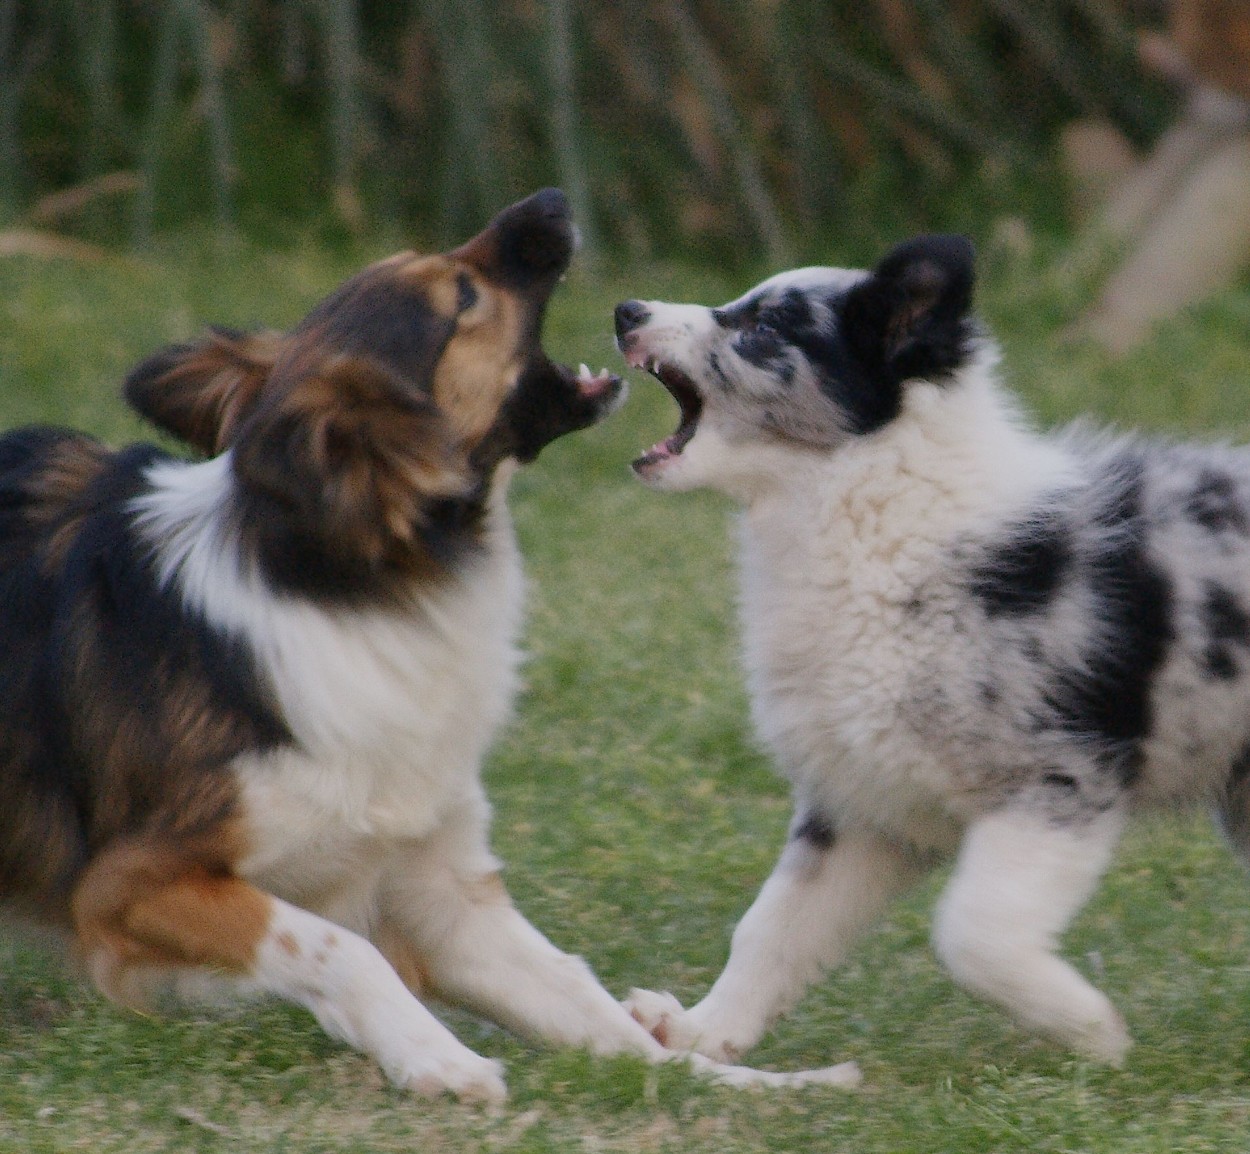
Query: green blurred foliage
x,y
727,130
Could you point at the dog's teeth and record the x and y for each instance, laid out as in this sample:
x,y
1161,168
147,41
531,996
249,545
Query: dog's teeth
x,y
584,370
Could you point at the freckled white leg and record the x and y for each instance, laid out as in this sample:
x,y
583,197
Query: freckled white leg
x,y
357,997
1019,881
807,915
146,906
476,949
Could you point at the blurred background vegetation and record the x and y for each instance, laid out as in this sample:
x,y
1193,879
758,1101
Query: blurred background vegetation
x,y
734,130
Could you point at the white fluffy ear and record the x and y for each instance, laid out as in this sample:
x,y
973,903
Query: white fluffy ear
x,y
910,317
201,390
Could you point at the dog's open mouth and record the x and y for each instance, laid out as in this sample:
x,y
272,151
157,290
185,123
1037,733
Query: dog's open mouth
x,y
691,404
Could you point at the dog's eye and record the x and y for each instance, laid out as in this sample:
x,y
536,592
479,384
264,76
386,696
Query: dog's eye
x,y
759,330
466,294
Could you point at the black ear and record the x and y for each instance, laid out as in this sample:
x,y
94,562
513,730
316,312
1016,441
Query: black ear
x,y
910,317
201,390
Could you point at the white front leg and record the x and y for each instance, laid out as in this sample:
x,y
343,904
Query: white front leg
x,y
817,901
356,996
447,912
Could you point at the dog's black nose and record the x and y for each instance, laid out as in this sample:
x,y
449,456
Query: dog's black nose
x,y
629,315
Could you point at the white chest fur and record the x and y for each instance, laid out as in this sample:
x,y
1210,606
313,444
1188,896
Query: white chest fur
x,y
392,714
391,709
836,551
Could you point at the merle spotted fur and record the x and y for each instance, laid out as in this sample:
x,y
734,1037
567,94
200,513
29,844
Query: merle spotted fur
x,y
965,640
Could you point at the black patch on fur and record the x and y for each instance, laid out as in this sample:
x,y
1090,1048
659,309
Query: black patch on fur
x,y
466,294
1105,700
765,333
1214,504
791,313
907,320
1022,574
736,317
817,830
768,351
1228,629
121,707
864,403
716,369
143,623
1062,781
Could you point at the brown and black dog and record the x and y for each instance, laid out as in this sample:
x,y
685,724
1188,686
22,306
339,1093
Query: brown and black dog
x,y
247,696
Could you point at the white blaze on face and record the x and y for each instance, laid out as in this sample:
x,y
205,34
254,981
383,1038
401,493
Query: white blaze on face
x,y
738,374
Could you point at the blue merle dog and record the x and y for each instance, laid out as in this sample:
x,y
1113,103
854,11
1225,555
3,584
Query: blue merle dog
x,y
964,640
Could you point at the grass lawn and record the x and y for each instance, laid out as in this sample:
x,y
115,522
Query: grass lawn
x,y
636,817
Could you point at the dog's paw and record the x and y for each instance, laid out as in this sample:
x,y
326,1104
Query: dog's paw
x,y
660,1014
675,1028
467,1076
1106,1040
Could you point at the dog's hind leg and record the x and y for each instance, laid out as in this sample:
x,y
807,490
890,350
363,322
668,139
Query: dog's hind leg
x,y
147,907
1020,878
825,891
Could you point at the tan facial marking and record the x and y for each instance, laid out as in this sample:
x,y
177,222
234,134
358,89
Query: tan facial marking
x,y
437,277
482,360
480,365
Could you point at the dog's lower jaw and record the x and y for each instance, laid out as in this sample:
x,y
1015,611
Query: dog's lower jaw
x,y
683,464
650,467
